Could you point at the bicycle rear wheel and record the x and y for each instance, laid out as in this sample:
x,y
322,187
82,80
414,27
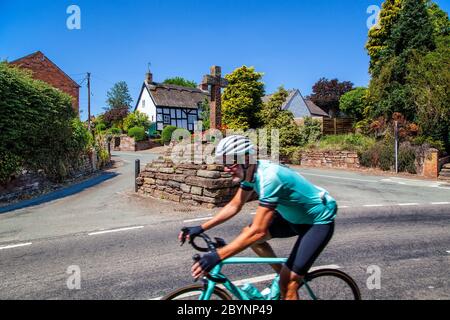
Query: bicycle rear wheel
x,y
329,284
194,292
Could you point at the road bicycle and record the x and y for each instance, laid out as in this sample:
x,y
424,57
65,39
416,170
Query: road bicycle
x,y
322,284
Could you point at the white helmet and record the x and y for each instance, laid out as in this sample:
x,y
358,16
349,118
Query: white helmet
x,y
234,146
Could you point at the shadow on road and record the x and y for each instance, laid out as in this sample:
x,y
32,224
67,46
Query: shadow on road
x,y
61,193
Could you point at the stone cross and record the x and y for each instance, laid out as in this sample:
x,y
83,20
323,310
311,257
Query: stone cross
x,y
216,82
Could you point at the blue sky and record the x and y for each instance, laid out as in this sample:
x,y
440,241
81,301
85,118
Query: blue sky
x,y
293,42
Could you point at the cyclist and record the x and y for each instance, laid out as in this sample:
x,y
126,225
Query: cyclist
x,y
289,206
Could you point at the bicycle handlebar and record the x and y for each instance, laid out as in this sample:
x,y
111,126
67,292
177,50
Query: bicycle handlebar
x,y
210,245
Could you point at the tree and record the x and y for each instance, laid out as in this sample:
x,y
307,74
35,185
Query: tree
x,y
242,99
412,31
274,117
326,94
353,103
389,91
119,96
429,77
179,81
115,117
378,35
439,20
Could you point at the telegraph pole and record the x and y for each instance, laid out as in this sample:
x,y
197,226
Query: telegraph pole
x,y
89,100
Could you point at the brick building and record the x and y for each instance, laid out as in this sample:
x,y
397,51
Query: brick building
x,y
44,69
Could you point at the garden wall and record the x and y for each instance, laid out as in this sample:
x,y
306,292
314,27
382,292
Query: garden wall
x,y
126,143
330,159
192,184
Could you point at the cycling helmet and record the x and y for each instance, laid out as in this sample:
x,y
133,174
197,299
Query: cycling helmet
x,y
234,146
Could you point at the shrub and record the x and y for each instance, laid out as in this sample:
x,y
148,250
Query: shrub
x,y
423,140
101,127
379,155
136,119
166,135
310,132
9,165
82,139
292,155
345,142
407,159
387,157
103,157
138,133
115,131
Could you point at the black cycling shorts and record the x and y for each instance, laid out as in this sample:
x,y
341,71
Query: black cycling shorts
x,y
312,239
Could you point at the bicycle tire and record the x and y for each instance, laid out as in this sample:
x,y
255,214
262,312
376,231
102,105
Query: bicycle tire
x,y
335,274
222,294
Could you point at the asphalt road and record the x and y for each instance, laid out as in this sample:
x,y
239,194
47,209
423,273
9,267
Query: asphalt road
x,y
401,226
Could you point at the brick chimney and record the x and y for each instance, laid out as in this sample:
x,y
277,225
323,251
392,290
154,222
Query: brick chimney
x,y
149,78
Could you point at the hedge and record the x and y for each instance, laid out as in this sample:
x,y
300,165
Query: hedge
x,y
37,125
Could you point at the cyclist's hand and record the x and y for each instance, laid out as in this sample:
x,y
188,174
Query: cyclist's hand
x,y
206,264
189,233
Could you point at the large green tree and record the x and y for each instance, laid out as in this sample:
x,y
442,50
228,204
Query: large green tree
x,y
379,34
179,81
242,99
119,96
389,90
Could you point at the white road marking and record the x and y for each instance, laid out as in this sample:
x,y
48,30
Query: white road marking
x,y
16,245
408,204
115,230
373,205
268,277
439,203
343,207
448,251
198,219
335,177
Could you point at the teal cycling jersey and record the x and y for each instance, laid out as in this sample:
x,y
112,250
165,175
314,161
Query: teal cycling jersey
x,y
296,199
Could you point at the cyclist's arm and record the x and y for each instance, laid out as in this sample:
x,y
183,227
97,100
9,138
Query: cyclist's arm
x,y
230,210
256,232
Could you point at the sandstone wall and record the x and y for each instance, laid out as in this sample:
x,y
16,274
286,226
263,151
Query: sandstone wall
x,y
331,159
192,184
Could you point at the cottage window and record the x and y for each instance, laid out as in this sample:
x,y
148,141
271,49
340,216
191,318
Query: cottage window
x,y
166,119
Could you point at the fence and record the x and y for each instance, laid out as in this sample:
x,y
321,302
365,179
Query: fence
x,y
337,126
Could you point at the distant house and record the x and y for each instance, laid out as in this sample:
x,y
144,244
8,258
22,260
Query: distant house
x,y
300,107
170,105
44,69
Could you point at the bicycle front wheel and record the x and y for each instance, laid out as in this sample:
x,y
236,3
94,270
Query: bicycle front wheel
x,y
329,284
194,292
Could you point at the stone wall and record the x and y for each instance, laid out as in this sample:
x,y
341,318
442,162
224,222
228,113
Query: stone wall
x,y
126,143
192,184
330,159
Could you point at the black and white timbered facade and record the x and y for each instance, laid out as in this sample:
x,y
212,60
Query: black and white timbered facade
x,y
170,105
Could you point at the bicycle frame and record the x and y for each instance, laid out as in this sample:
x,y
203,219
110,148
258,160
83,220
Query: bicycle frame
x,y
217,273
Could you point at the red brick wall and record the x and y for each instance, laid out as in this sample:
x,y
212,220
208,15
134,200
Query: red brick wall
x,y
45,70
